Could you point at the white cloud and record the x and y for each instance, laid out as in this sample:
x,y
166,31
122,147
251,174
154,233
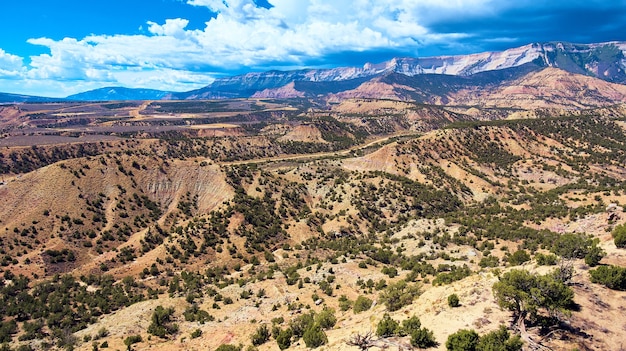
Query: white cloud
x,y
290,33
172,27
10,65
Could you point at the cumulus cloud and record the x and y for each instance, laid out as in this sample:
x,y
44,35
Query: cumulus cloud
x,y
172,27
10,65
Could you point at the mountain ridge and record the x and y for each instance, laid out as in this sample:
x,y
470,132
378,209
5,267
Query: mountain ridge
x,y
19,98
605,61
119,93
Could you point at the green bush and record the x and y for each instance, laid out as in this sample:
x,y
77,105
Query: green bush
x,y
133,339
261,335
423,338
399,295
489,261
462,340
546,260
390,271
453,300
196,333
571,246
518,257
284,338
410,325
7,329
361,304
619,236
387,327
227,347
314,337
499,340
457,273
344,303
301,324
161,325
613,277
326,318
594,255
194,314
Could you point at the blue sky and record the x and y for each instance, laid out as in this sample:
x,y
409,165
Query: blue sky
x,y
60,47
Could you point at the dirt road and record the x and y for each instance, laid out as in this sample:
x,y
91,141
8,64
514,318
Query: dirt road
x,y
346,152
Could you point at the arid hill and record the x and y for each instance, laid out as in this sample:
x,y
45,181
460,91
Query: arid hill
x,y
308,219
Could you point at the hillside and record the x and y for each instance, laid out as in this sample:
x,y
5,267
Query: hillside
x,y
303,210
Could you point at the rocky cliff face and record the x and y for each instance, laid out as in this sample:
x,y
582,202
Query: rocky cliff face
x,y
605,61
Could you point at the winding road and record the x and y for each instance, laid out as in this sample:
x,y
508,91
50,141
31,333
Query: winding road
x,y
319,155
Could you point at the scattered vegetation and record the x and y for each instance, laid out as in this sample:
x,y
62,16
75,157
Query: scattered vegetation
x,y
338,215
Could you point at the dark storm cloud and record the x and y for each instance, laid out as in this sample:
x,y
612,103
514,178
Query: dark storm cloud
x,y
529,22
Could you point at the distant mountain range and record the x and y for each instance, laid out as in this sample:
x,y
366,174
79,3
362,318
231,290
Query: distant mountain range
x,y
12,98
441,79
605,61
119,93
102,94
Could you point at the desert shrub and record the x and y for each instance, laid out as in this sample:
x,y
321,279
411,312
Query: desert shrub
x,y
196,333
499,340
344,303
546,260
423,338
133,339
390,271
619,236
518,257
387,326
457,273
594,255
228,347
161,324
284,338
261,335
7,329
489,261
300,324
571,246
462,340
613,277
32,330
326,318
453,300
102,333
194,314
409,326
361,304
314,337
398,295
